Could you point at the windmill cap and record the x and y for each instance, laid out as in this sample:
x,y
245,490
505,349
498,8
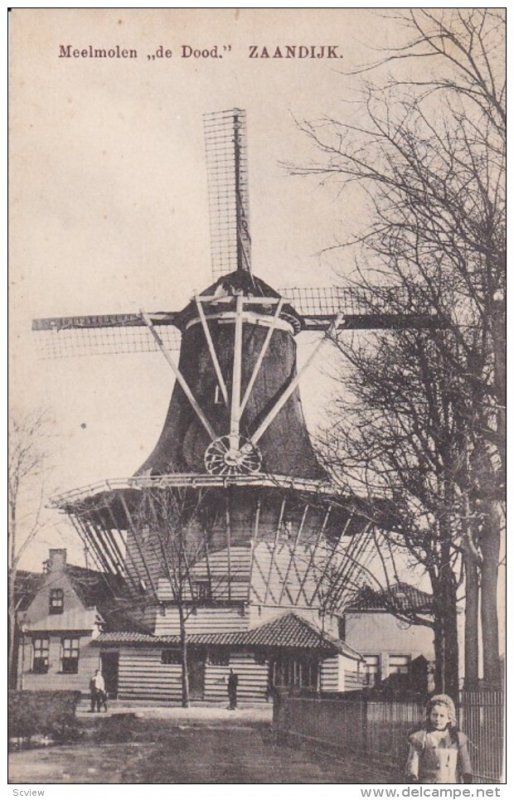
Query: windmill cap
x,y
240,282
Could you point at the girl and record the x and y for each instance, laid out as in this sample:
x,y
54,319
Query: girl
x,y
438,753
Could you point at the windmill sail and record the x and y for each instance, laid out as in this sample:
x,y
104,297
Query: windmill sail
x,y
227,183
375,307
103,334
313,308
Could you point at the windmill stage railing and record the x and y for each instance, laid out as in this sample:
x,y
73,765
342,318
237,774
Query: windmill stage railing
x,y
193,480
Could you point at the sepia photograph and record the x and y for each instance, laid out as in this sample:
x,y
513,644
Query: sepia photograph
x,y
257,397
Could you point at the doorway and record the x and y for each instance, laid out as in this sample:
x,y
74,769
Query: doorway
x,y
110,664
196,674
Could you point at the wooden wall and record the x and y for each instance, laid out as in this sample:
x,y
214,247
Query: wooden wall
x,y
205,620
54,679
330,674
143,677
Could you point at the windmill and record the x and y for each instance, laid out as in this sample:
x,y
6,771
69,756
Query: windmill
x,y
234,446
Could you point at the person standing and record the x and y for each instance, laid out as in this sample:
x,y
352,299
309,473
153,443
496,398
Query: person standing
x,y
438,752
98,693
232,683
92,692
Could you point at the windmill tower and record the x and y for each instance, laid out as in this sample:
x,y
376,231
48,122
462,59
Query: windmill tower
x,y
229,536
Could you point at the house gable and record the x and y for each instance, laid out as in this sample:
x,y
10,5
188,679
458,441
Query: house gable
x,y
75,616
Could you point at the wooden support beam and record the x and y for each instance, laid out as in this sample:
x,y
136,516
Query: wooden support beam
x,y
93,536
130,576
173,569
272,553
180,378
89,544
260,358
293,551
135,534
188,576
288,391
229,543
207,561
107,543
354,565
253,545
111,541
212,350
330,558
235,410
314,549
248,301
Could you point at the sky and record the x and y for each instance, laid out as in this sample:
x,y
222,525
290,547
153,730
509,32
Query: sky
x,y
109,198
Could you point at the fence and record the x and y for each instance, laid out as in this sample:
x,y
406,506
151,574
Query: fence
x,y
481,716
377,730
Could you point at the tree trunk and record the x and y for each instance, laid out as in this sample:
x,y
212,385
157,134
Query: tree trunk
x,y
12,623
446,645
183,652
490,546
438,655
451,643
13,661
499,347
471,637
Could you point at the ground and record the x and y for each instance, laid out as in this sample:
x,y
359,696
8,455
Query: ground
x,y
208,746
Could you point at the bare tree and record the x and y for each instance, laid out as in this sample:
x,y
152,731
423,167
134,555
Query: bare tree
x,y
178,528
394,436
429,157
28,458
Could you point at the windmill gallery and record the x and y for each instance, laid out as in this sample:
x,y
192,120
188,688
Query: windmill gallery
x,y
229,548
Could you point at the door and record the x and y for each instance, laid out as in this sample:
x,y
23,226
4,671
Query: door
x,y
196,672
110,673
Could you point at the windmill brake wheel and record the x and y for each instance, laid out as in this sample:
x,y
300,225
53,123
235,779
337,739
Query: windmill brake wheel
x,y
222,459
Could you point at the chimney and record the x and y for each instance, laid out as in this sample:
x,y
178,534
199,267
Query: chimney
x,y
56,559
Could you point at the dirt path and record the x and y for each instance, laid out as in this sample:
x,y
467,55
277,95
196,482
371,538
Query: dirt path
x,y
245,754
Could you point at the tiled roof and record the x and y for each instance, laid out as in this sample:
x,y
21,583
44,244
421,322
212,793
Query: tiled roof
x,y
401,597
107,593
289,630
93,587
26,585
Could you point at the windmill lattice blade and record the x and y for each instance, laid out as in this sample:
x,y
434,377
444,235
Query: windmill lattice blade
x,y
227,184
377,307
74,342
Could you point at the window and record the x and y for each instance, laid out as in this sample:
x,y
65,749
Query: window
x,y
202,590
219,658
371,670
171,657
291,672
56,601
40,647
70,655
341,628
399,665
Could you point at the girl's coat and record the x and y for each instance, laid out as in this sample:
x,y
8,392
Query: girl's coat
x,y
438,759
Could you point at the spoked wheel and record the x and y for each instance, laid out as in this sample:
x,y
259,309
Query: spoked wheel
x,y
223,459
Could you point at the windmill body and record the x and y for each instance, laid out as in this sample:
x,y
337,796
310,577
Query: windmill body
x,y
229,535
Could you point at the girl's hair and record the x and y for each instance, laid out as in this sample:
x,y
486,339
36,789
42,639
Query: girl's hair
x,y
442,700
